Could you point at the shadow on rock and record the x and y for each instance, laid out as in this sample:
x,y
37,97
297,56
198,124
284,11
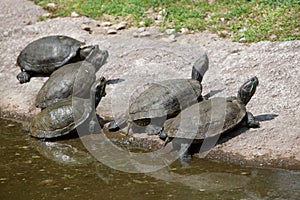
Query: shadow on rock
x,y
212,93
266,117
114,81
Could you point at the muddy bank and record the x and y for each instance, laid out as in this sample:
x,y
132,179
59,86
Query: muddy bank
x,y
135,61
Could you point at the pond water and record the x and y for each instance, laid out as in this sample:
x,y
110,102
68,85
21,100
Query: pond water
x,y
28,172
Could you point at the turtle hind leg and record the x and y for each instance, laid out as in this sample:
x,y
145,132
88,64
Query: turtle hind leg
x,y
251,122
23,77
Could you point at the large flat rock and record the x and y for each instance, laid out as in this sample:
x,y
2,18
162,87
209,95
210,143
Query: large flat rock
x,y
134,62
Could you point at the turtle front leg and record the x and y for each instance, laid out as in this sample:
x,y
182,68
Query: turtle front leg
x,y
23,77
251,122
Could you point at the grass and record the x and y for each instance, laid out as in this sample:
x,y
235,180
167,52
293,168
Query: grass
x,y
250,20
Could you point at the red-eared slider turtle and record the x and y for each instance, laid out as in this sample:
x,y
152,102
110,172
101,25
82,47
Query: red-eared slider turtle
x,y
60,84
45,55
58,119
164,100
210,118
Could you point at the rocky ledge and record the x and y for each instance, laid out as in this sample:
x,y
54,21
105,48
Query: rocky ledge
x,y
135,61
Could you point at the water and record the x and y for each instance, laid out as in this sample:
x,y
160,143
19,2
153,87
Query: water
x,y
28,172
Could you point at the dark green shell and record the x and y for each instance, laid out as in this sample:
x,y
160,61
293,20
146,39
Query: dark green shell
x,y
166,98
206,119
61,84
48,53
58,119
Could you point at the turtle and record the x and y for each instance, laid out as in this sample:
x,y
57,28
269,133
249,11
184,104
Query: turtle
x,y
58,119
61,83
46,54
163,100
210,118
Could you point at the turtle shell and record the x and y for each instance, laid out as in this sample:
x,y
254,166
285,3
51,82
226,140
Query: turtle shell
x,y
58,119
165,99
61,84
207,119
48,53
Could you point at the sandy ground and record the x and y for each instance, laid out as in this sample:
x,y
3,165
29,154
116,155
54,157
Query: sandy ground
x,y
135,61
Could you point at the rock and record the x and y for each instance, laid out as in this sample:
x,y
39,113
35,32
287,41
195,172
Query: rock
x,y
86,27
142,29
51,5
145,34
74,14
243,40
106,24
121,26
112,31
46,15
170,31
141,23
184,30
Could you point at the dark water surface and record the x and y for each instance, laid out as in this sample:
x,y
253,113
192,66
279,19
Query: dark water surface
x,y
27,171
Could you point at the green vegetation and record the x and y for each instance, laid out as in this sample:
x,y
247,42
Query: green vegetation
x,y
252,20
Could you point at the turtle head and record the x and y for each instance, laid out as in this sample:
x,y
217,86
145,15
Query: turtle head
x,y
97,57
247,90
99,91
85,51
200,67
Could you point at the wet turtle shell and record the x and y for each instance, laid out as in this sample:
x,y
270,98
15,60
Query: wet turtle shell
x,y
208,118
61,84
58,118
46,54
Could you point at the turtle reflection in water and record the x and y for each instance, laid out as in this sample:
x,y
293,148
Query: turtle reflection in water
x,y
58,119
45,55
164,100
62,153
198,121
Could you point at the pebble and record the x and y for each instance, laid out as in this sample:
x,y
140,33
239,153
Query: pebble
x,y
145,34
74,14
51,5
121,26
141,23
184,30
170,31
47,182
5,34
106,24
67,188
46,15
111,31
242,40
142,29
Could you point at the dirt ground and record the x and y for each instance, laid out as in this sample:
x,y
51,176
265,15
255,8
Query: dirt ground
x,y
136,59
